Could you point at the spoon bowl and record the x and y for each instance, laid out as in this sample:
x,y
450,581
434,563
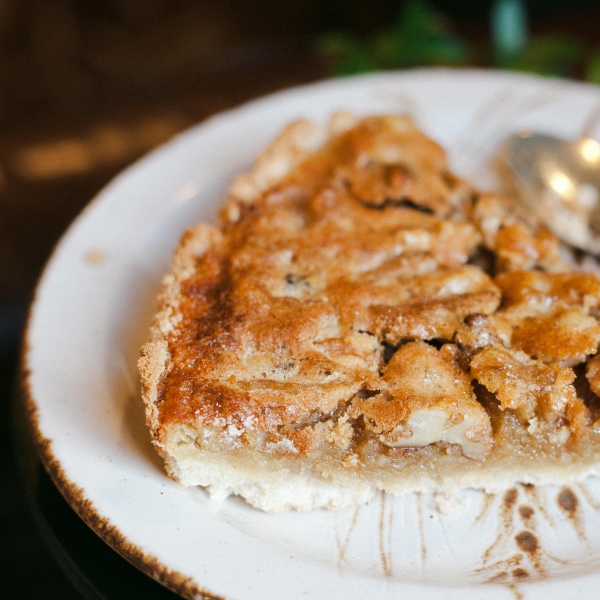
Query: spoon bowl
x,y
559,181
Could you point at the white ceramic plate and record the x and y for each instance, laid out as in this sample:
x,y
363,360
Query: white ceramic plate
x,y
91,314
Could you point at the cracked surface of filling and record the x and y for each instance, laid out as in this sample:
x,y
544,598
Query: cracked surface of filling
x,y
365,320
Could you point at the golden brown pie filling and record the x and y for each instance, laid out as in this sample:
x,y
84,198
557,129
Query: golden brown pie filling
x,y
365,320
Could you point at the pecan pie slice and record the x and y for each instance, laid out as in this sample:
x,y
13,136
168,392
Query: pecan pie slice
x,y
363,320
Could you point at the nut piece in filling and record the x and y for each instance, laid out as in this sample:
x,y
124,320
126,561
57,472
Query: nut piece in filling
x,y
364,320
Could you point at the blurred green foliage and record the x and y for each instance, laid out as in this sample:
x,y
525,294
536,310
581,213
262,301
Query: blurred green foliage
x,y
593,68
547,55
421,36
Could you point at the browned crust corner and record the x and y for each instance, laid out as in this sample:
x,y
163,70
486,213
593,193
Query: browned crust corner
x,y
155,359
84,507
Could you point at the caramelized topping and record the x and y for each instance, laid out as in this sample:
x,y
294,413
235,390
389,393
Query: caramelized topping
x,y
528,387
307,319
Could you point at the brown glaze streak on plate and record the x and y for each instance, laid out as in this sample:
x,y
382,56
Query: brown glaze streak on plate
x,y
506,517
385,533
421,529
540,502
342,544
518,525
528,542
75,496
486,506
502,566
588,496
569,504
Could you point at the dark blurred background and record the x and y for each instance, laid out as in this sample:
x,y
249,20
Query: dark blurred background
x,y
88,86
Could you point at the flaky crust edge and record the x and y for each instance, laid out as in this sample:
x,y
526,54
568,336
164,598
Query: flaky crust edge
x,y
155,360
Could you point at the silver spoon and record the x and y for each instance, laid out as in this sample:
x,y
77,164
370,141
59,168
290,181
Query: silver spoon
x,y
559,181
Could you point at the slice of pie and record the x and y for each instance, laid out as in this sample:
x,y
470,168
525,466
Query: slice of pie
x,y
363,320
